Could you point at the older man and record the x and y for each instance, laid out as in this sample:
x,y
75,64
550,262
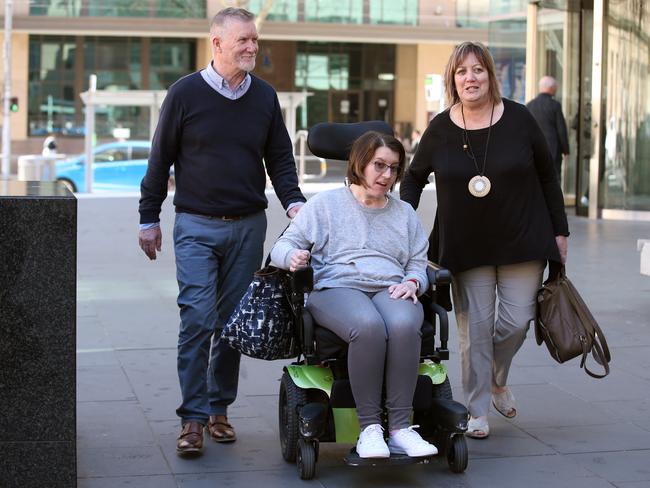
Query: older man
x,y
548,113
219,127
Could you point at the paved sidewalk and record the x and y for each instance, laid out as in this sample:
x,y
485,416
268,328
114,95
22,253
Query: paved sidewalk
x,y
571,431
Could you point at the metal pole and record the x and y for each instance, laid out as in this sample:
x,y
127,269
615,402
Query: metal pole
x,y
90,132
6,112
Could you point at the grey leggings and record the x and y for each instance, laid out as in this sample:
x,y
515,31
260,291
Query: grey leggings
x,y
382,333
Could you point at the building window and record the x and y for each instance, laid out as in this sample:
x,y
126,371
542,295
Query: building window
x,y
194,9
402,12
170,60
350,82
340,12
52,86
60,66
281,10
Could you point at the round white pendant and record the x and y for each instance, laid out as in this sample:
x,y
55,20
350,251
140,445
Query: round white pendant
x,y
479,186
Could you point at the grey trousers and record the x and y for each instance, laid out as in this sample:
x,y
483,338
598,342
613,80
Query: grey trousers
x,y
383,335
487,346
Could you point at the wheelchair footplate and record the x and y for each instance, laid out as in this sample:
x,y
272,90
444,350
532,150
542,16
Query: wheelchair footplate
x,y
353,459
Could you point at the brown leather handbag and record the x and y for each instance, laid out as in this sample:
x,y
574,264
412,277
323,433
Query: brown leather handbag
x,y
567,327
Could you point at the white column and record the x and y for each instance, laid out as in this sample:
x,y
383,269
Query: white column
x,y
6,116
597,75
531,51
90,133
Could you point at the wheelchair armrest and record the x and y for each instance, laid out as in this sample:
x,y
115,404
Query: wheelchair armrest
x,y
308,338
444,328
437,274
302,281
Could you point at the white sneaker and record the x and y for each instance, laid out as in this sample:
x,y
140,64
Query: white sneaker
x,y
371,443
408,441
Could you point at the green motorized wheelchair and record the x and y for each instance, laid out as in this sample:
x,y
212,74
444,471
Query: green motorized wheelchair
x,y
316,402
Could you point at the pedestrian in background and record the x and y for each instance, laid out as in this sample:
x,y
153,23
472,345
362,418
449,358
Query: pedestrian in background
x,y
49,146
220,127
548,114
415,140
500,218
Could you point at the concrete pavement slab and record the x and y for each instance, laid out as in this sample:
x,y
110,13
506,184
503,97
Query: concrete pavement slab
x,y
532,472
113,424
506,440
266,479
101,462
593,438
144,481
634,412
534,410
102,383
96,357
628,466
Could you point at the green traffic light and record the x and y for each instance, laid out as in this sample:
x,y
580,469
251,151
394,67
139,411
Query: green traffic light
x,y
13,104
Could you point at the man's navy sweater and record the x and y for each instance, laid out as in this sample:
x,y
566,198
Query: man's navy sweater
x,y
217,146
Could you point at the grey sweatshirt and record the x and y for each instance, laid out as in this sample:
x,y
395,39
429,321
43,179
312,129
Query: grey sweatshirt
x,y
353,246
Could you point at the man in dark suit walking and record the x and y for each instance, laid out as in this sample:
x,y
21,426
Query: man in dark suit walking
x,y
548,113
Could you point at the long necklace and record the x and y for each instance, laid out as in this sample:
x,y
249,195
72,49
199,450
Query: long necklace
x,y
479,185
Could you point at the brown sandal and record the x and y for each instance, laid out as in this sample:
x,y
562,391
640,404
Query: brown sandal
x,y
191,439
220,430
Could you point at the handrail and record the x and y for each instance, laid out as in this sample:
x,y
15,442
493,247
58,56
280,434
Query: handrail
x,y
301,137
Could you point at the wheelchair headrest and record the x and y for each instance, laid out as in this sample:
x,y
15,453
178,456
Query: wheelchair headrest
x,y
331,140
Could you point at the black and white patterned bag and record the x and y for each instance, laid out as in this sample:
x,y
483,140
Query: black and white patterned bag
x,y
262,324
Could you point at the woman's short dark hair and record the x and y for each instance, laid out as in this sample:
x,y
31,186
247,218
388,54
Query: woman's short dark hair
x,y
363,150
456,59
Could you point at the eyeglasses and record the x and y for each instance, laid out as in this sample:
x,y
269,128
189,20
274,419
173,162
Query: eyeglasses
x,y
382,167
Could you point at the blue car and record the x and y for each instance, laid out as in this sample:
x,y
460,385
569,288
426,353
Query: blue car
x,y
119,166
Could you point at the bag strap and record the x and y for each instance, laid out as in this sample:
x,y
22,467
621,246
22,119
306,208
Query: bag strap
x,y
599,347
267,261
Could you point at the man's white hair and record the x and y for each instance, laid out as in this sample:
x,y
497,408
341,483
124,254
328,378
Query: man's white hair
x,y
220,20
547,84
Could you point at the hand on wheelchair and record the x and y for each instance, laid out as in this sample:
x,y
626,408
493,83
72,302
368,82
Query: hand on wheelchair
x,y
404,290
299,259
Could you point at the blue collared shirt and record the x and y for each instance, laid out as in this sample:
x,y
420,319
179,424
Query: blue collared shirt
x,y
220,85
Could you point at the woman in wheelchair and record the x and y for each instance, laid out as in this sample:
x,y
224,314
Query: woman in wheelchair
x,y
368,252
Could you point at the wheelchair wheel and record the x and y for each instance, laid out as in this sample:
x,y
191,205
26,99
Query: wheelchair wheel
x,y
306,459
443,390
457,454
291,397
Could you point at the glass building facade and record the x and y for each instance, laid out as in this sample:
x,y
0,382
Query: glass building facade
x,y
349,82
608,171
60,66
401,12
119,8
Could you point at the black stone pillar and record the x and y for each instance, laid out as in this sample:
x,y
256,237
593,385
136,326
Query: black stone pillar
x,y
38,267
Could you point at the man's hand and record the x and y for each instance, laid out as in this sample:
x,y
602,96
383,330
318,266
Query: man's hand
x,y
150,241
404,290
293,211
562,246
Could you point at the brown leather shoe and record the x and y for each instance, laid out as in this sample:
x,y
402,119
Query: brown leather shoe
x,y
220,430
191,439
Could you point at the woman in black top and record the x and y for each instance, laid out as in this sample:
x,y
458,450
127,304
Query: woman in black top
x,y
500,218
